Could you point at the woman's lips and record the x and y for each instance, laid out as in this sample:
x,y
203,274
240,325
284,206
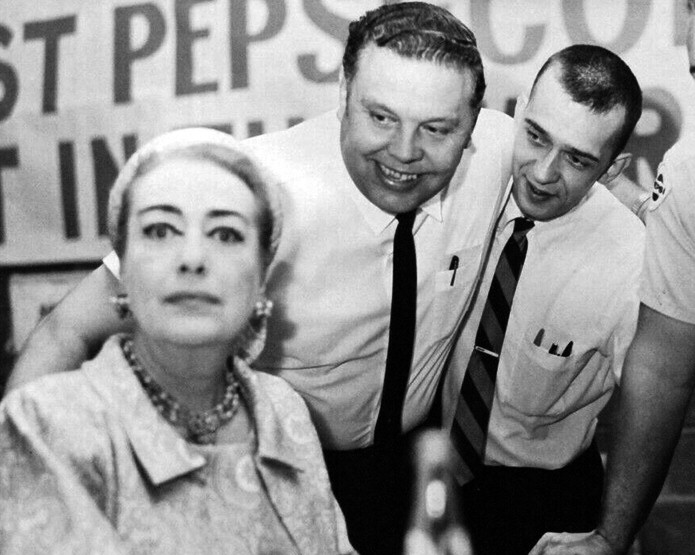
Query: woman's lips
x,y
191,297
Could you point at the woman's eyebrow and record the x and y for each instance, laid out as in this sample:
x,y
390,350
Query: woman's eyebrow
x,y
219,213
163,207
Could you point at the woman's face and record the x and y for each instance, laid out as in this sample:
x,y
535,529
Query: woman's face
x,y
192,266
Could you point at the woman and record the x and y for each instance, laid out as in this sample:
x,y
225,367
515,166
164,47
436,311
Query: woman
x,y
167,442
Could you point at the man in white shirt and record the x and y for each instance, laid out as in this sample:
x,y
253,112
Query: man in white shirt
x,y
573,313
659,375
410,103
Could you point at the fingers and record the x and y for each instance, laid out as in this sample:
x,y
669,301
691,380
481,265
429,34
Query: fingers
x,y
546,542
454,542
562,543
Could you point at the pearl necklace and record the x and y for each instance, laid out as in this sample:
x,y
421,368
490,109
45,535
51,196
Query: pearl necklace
x,y
198,427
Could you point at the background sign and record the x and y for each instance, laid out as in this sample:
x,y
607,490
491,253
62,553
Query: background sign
x,y
84,82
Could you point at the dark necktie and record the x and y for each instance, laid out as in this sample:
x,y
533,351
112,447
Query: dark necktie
x,y
469,429
402,331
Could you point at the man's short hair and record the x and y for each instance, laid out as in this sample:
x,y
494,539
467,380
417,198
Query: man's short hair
x,y
598,78
416,30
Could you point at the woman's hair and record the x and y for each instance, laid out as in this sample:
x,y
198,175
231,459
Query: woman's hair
x,y
197,144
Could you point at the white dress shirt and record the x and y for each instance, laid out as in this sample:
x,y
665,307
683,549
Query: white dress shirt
x,y
331,279
579,284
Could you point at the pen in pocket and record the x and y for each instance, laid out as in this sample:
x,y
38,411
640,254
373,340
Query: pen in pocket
x,y
454,265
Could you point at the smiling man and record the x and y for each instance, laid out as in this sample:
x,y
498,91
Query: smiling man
x,y
540,354
411,146
399,148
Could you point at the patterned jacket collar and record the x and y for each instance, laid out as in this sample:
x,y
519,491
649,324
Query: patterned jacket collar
x,y
162,452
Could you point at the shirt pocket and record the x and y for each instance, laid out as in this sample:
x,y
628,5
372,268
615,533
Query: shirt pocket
x,y
539,382
453,289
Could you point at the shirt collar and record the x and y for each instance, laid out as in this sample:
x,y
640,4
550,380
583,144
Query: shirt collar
x,y
161,451
378,220
513,211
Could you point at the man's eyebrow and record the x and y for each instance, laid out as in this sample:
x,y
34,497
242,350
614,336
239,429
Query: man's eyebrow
x,y
575,151
451,120
537,128
369,104
583,154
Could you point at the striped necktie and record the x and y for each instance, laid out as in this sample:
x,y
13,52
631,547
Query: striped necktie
x,y
469,429
402,331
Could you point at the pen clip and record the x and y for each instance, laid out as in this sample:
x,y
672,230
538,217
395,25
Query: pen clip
x,y
486,351
539,337
453,265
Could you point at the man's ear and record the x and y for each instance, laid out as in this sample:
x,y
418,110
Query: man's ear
x,y
619,165
343,94
476,113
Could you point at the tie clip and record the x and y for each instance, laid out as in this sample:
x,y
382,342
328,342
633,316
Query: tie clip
x,y
486,352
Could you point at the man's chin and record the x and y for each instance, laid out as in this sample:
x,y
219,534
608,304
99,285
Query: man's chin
x,y
394,204
535,211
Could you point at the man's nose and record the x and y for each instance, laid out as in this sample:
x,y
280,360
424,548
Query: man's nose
x,y
405,146
545,170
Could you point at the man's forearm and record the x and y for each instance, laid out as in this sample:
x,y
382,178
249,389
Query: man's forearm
x,y
75,328
638,464
653,399
47,350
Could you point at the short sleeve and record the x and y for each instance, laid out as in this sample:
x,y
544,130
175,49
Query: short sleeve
x,y
667,279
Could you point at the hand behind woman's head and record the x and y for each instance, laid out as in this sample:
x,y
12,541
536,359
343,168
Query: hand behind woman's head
x,y
193,221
